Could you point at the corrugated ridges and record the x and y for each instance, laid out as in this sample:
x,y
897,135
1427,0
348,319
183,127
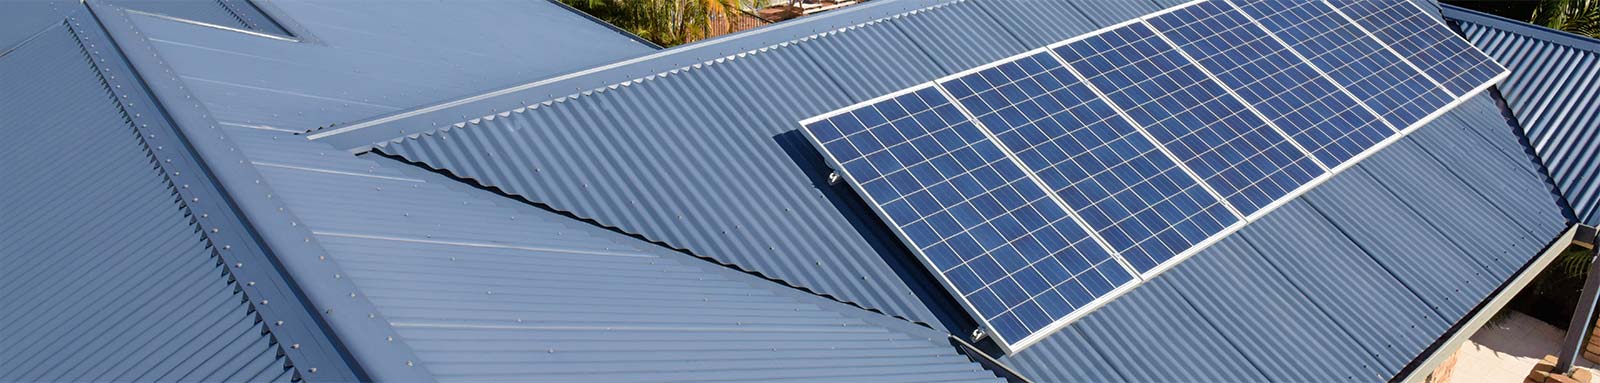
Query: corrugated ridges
x,y
1554,90
712,151
1467,147
743,188
491,289
106,276
540,154
1365,300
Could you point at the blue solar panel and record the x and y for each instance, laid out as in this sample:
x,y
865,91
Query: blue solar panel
x,y
992,234
1039,185
1210,131
1129,192
1425,42
1266,74
1351,57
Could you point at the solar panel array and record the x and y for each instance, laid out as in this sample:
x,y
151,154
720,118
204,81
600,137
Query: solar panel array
x,y
1041,186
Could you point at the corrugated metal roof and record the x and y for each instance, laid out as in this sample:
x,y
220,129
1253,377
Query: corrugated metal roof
x,y
538,153
449,273
25,19
1553,91
489,289
106,275
356,61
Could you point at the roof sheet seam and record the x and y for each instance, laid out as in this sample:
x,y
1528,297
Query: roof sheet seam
x,y
1368,252
1250,242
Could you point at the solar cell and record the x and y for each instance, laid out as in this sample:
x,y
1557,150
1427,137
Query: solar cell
x,y
1124,188
1351,57
1210,131
1425,42
1284,88
992,234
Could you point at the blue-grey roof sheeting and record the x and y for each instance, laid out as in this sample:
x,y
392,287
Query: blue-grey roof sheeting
x,y
1448,278
1505,180
849,61
1256,309
1149,335
657,132
740,187
1368,302
485,288
1554,92
960,35
106,276
1444,201
239,14
25,19
358,60
1037,26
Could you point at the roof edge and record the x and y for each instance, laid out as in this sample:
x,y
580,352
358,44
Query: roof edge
x,y
1457,335
1540,32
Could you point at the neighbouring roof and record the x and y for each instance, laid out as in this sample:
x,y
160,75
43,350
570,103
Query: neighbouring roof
x,y
628,214
1553,92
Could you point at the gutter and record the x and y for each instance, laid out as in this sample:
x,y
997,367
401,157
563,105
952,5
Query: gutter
x,y
1420,368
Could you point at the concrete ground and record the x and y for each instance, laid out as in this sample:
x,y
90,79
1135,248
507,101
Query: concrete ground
x,y
1507,350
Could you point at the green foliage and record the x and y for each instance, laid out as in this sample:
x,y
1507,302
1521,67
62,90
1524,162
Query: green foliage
x,y
1552,295
1576,16
665,22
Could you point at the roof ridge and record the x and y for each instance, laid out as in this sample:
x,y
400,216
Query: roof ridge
x,y
331,130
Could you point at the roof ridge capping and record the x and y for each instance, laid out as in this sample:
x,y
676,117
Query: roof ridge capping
x,y
331,130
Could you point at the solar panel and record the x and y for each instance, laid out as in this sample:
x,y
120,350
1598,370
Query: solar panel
x,y
1194,117
991,233
1376,76
1425,42
1040,186
1286,89
1130,193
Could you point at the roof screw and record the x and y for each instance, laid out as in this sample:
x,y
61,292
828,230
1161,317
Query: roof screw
x,y
263,301
250,283
409,364
279,323
391,339
313,370
238,264
295,346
